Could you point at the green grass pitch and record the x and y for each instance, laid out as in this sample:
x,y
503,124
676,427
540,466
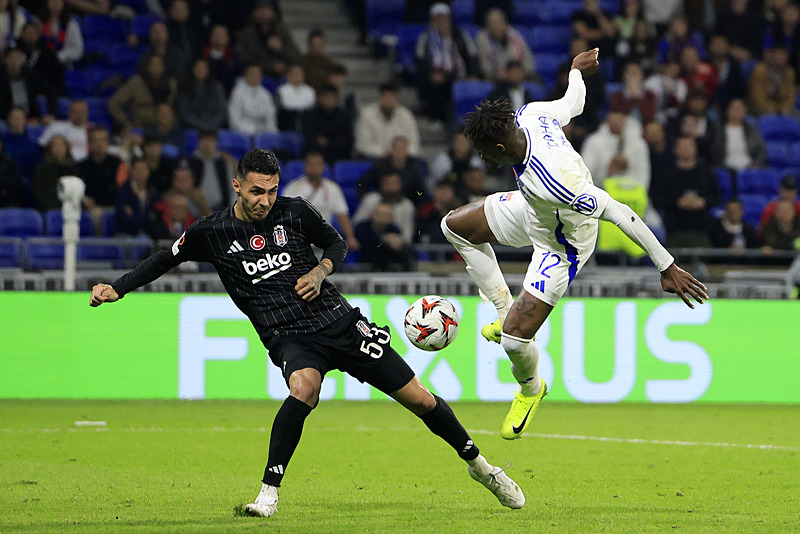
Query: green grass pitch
x,y
171,466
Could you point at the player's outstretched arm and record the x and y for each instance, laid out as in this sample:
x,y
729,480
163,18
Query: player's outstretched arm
x,y
676,280
102,293
584,64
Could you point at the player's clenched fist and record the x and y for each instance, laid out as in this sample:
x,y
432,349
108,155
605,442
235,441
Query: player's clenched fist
x,y
586,62
103,293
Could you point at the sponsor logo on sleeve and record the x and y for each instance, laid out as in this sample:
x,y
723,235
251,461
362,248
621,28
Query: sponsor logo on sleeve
x,y
178,242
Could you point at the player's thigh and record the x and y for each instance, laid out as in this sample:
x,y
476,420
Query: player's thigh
x,y
296,356
469,221
509,218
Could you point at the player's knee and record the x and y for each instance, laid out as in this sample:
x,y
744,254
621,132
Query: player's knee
x,y
514,345
452,230
305,388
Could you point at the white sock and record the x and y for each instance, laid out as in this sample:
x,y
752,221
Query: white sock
x,y
524,356
483,269
480,465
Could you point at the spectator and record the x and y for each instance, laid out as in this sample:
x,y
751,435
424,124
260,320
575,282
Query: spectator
x,y
659,148
444,53
474,185
659,12
90,7
782,230
12,181
18,144
167,128
670,90
383,246
390,191
634,99
678,37
12,19
786,30
695,121
40,58
57,162
127,146
223,61
100,172
731,231
172,216
685,194
266,42
212,170
739,144
512,88
348,99
451,164
19,86
251,109
316,64
398,161
328,127
183,184
635,37
741,25
61,32
594,25
207,14
295,97
325,195
630,13
136,202
786,191
429,218
176,61
731,81
619,134
698,75
771,87
201,99
75,129
184,35
160,166
381,122
135,103
623,188
498,45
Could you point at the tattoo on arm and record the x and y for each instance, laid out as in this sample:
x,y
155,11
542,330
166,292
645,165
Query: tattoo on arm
x,y
325,267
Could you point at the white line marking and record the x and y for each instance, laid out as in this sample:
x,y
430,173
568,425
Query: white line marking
x,y
570,437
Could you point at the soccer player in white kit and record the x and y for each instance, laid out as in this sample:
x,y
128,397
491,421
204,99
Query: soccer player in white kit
x,y
556,209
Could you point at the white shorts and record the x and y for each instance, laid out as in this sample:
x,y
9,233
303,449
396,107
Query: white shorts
x,y
555,262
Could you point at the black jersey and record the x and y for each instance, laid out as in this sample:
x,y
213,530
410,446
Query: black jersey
x,y
259,264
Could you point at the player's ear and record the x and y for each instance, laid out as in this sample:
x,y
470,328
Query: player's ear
x,y
236,185
501,147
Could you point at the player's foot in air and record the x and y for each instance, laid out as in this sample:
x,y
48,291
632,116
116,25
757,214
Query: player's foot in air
x,y
499,483
266,503
520,415
492,331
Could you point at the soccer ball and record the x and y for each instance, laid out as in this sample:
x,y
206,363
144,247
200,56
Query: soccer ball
x,y
431,323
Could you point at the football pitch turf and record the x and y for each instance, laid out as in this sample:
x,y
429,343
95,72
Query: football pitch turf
x,y
172,466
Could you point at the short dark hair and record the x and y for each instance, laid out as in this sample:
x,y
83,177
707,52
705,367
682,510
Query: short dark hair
x,y
389,85
316,32
328,88
207,132
338,68
260,161
491,121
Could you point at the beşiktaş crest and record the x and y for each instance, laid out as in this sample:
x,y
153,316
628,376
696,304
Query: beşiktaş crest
x,y
279,235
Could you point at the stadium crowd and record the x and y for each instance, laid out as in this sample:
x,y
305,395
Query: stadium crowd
x,y
692,119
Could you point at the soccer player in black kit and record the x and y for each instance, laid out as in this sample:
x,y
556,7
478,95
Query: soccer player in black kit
x,y
261,248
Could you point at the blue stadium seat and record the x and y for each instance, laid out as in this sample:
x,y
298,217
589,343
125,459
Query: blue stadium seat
x,y
778,154
98,111
407,35
747,67
294,168
779,128
11,252
34,131
44,253
285,143
20,222
83,83
190,144
463,11
552,39
547,66
529,12
108,224
138,6
54,222
384,16
725,181
234,143
101,250
754,205
561,11
140,25
537,90
759,181
466,95
347,174
104,29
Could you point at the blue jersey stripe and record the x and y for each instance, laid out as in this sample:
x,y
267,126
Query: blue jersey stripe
x,y
543,176
569,248
553,182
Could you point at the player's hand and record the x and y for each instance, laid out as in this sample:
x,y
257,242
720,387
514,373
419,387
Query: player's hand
x,y
308,285
676,280
586,62
102,293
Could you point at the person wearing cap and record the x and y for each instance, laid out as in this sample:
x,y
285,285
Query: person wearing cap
x,y
383,121
787,191
444,54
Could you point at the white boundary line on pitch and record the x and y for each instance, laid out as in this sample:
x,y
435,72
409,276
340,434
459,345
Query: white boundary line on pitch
x,y
569,437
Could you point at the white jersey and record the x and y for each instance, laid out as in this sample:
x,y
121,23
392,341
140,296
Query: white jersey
x,y
553,179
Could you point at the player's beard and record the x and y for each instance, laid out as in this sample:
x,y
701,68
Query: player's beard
x,y
253,212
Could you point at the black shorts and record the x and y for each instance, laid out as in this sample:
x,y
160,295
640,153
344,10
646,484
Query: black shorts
x,y
351,344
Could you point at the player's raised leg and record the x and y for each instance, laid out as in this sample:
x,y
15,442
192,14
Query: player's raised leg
x,y
440,419
468,230
304,388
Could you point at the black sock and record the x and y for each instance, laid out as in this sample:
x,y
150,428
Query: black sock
x,y
443,422
283,440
